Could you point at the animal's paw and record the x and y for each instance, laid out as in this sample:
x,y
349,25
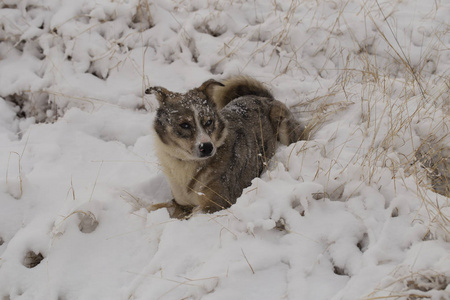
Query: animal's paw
x,y
175,210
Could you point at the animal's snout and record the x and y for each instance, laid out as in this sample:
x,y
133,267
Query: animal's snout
x,y
206,149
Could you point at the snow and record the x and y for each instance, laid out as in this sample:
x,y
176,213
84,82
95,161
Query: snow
x,y
351,213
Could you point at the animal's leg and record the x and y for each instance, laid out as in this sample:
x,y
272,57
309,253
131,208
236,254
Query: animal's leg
x,y
175,210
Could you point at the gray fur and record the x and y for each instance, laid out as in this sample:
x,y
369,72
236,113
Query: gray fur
x,y
243,135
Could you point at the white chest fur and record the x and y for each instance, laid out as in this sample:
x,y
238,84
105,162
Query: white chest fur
x,y
179,173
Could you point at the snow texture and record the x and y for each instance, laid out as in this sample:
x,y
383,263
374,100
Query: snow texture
x,y
358,211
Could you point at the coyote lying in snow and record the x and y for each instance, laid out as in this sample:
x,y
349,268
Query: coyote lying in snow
x,y
214,139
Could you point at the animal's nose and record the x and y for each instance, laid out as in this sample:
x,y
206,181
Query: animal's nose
x,y
206,149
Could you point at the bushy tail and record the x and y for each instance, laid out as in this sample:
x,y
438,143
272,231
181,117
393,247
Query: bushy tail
x,y
238,86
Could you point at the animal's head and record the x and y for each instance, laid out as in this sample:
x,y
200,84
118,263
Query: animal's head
x,y
189,124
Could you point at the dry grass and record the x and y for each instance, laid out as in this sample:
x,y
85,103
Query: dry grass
x,y
404,106
407,285
394,93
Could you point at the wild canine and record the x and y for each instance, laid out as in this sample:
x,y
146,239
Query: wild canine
x,y
214,139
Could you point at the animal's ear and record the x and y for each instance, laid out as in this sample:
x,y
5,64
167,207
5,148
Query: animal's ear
x,y
162,94
208,86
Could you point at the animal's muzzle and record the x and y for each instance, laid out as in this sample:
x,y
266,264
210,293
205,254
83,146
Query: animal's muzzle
x,y
206,149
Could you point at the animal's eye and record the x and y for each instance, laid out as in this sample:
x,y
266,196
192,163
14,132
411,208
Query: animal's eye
x,y
208,123
185,125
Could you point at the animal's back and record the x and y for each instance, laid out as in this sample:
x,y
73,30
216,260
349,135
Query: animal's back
x,y
255,121
251,141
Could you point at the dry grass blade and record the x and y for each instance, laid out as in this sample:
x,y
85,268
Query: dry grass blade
x,y
95,182
403,56
246,259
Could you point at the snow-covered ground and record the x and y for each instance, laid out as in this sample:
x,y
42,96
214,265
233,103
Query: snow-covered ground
x,y
352,213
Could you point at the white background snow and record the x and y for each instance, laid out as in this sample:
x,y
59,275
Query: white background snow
x,y
349,214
